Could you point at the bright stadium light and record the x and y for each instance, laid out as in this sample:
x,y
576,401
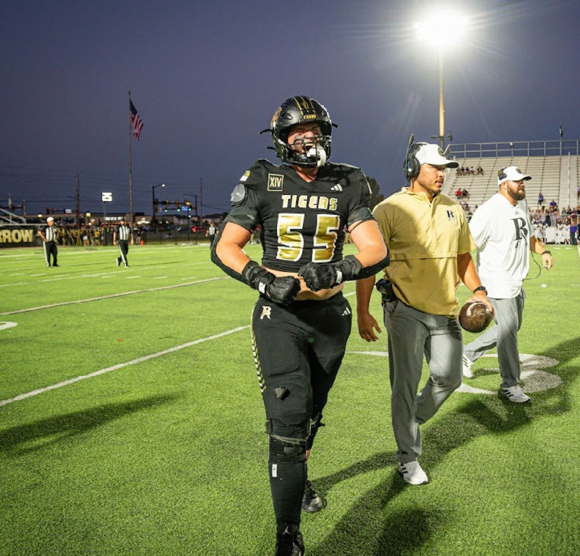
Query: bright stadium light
x,y
441,29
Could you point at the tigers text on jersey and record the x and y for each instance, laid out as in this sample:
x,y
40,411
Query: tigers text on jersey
x,y
502,234
300,221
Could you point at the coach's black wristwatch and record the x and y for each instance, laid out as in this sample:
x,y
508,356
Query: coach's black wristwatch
x,y
480,289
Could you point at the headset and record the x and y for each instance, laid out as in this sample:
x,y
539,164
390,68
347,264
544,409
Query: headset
x,y
501,173
412,166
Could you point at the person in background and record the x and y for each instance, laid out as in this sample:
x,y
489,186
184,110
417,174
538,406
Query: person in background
x,y
211,231
502,231
122,236
49,236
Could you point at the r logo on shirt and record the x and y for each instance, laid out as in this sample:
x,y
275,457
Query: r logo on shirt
x,y
266,313
450,215
522,231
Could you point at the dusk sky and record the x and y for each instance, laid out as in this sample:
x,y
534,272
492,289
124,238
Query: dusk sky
x,y
207,75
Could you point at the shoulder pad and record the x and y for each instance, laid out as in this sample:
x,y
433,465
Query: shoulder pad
x,y
239,194
344,166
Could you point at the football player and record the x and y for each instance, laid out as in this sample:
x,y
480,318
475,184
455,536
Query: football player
x,y
301,321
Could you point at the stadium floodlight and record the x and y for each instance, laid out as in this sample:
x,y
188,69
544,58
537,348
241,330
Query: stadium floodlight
x,y
441,29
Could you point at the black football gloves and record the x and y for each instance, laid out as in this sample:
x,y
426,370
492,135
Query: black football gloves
x,y
282,290
321,276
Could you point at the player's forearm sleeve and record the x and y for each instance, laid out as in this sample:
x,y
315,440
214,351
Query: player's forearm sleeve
x,y
217,261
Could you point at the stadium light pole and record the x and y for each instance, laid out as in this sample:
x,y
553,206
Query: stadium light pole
x,y
441,29
153,201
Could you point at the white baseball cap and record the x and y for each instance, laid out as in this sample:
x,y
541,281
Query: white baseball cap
x,y
511,173
50,219
434,155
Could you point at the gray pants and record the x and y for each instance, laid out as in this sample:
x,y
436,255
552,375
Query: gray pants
x,y
504,335
413,333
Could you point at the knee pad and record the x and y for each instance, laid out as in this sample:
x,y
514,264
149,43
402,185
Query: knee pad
x,y
287,442
315,424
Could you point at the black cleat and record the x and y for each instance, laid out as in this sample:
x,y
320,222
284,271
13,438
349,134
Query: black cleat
x,y
289,544
118,261
311,502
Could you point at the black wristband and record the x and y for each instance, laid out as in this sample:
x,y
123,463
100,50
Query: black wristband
x,y
480,289
546,252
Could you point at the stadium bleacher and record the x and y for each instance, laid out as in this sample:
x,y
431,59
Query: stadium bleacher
x,y
553,166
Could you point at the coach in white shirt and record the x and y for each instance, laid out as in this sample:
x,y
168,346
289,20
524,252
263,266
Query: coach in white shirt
x,y
502,231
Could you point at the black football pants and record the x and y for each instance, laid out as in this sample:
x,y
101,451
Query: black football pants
x,y
298,350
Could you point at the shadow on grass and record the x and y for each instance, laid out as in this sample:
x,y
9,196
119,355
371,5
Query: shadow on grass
x,y
49,431
367,529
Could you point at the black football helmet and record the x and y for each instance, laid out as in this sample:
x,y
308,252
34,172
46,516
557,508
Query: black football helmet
x,y
301,110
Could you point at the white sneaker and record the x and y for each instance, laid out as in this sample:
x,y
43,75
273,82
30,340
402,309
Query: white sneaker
x,y
514,394
467,364
412,473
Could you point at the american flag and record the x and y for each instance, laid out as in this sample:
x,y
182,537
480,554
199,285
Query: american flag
x,y
135,121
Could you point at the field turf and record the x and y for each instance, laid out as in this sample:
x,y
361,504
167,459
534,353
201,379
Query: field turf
x,y
131,423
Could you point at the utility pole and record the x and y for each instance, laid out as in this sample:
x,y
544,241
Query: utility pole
x,y
78,196
201,202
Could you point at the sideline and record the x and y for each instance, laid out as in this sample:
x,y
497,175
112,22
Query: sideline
x,y
110,296
121,365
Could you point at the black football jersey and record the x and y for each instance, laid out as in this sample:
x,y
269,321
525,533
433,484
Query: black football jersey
x,y
300,222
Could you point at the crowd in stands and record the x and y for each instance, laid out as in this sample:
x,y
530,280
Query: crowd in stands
x,y
564,220
469,171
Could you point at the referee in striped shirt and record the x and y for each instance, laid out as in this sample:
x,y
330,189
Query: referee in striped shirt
x,y
48,235
121,237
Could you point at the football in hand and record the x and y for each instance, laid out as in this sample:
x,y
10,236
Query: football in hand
x,y
475,316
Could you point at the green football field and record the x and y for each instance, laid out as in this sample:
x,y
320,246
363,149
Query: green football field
x,y
131,423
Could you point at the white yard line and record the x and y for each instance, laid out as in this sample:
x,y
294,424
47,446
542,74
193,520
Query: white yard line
x,y
111,296
96,250
120,366
75,276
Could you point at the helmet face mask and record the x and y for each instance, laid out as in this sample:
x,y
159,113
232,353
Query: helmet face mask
x,y
302,110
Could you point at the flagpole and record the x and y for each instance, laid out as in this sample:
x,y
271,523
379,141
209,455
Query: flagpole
x,y
130,169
